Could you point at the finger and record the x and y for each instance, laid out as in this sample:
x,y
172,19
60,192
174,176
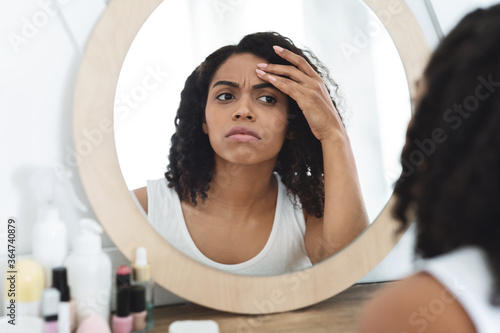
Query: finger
x,y
284,70
295,59
287,86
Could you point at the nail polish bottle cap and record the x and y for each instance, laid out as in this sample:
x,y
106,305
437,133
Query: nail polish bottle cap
x,y
60,282
123,302
137,299
122,276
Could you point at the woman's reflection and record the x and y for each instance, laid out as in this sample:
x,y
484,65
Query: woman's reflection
x,y
262,179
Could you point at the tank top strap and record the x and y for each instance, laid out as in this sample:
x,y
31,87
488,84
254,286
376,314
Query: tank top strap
x,y
465,273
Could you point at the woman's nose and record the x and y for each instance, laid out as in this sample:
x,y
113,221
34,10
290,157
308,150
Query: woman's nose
x,y
243,111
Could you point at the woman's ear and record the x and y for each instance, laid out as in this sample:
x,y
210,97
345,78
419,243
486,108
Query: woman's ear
x,y
290,135
205,128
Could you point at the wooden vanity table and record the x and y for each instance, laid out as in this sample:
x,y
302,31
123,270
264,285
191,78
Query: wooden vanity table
x,y
337,314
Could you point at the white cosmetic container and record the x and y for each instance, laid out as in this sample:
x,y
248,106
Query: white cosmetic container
x,y
49,234
89,273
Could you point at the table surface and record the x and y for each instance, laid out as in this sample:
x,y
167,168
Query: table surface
x,y
337,314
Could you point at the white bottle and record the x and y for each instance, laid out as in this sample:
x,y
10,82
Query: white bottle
x,y
49,235
49,240
89,272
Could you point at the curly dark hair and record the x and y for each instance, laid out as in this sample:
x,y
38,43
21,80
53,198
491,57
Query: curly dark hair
x,y
300,160
451,159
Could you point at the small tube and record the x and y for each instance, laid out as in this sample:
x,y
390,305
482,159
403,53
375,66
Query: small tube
x,y
50,309
141,275
66,322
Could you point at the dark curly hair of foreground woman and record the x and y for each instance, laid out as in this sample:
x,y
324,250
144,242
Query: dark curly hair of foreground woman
x,y
300,161
451,173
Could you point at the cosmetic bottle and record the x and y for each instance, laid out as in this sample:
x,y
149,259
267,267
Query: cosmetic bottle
x,y
50,308
23,290
141,275
89,272
138,308
93,324
123,322
49,234
66,322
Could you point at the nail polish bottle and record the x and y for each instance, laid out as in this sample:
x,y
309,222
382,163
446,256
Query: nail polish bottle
x,y
50,308
141,275
67,307
123,321
138,308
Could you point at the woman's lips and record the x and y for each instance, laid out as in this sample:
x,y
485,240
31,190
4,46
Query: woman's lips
x,y
242,134
242,138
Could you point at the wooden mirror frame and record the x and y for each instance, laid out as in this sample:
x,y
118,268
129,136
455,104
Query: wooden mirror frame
x,y
126,226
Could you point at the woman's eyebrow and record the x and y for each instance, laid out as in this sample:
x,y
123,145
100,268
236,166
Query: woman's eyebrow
x,y
236,85
226,83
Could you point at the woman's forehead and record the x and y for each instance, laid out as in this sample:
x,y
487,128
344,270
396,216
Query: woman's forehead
x,y
237,65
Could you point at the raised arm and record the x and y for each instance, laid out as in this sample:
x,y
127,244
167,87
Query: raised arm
x,y
345,214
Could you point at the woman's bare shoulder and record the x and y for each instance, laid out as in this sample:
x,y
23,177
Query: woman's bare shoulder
x,y
416,304
142,196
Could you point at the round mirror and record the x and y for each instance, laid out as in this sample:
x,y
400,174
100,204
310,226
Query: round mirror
x,y
360,56
133,80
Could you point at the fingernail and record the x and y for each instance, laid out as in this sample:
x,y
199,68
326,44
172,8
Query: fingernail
x,y
262,65
262,73
271,78
277,48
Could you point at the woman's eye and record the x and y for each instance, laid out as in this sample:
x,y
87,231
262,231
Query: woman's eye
x,y
225,97
268,99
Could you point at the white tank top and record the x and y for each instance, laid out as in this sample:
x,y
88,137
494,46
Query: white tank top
x,y
465,273
284,251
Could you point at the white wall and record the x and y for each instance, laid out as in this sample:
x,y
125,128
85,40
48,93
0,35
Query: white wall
x,y
37,76
450,12
38,67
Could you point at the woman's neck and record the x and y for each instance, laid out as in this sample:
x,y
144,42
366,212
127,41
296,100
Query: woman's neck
x,y
238,189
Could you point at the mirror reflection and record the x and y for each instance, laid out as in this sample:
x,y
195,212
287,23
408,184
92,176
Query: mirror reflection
x,y
244,190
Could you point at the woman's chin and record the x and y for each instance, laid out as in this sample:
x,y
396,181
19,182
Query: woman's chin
x,y
243,156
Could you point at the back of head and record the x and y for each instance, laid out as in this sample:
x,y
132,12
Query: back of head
x,y
451,160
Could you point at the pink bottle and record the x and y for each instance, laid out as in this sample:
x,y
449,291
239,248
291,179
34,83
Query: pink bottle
x,y
123,321
138,308
93,324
